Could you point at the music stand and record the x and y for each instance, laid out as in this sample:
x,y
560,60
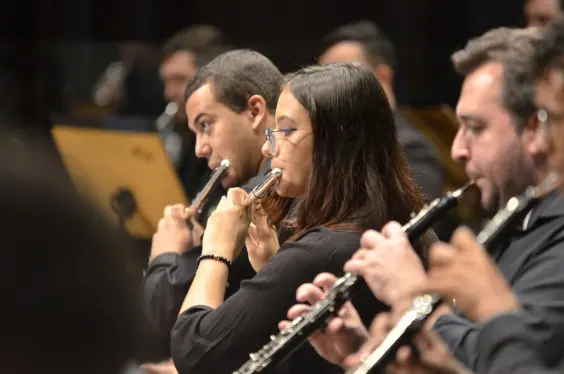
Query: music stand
x,y
127,173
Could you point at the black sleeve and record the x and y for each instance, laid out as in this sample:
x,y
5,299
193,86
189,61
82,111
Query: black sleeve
x,y
505,347
206,340
170,275
540,293
164,286
168,279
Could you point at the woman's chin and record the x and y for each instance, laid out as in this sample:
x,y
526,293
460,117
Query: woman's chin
x,y
282,189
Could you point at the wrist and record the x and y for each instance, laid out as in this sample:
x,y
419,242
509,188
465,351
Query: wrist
x,y
225,251
221,259
488,308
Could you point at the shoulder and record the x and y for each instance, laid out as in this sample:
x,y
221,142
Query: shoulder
x,y
325,235
316,251
547,222
322,241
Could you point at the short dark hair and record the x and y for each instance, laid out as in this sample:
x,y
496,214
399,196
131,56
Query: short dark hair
x,y
513,49
237,75
204,41
549,49
378,47
359,178
561,4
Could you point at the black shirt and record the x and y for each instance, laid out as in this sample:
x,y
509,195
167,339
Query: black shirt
x,y
206,340
533,264
170,275
422,158
505,347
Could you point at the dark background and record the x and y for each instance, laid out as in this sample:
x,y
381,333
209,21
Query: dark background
x,y
51,52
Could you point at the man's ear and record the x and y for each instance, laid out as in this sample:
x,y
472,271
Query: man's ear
x,y
258,110
534,137
385,74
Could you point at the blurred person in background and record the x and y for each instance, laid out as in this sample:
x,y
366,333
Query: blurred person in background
x,y
68,290
541,12
182,55
364,43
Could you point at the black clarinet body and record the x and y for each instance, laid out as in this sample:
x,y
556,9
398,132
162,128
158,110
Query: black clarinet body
x,y
496,230
345,288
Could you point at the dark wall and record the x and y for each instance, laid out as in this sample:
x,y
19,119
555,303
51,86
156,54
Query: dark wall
x,y
425,32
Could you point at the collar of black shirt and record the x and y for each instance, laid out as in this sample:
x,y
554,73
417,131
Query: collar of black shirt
x,y
550,207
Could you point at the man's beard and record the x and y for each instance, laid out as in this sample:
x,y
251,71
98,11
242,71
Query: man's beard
x,y
494,204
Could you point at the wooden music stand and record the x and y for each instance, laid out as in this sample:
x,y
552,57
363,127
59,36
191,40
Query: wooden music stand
x,y
127,173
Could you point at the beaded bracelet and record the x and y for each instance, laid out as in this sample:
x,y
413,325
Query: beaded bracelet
x,y
217,258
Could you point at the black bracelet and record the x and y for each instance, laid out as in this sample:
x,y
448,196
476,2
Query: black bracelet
x,y
217,258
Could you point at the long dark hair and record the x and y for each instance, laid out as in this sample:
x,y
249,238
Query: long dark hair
x,y
360,178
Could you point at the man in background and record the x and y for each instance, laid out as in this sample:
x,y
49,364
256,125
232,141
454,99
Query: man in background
x,y
364,43
541,12
182,55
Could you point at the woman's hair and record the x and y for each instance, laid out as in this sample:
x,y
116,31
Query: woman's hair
x,y
67,288
359,178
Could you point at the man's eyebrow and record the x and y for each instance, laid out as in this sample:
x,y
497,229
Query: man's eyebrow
x,y
470,118
199,116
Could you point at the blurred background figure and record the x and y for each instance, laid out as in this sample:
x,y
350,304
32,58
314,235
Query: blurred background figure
x,y
365,44
182,55
68,290
541,12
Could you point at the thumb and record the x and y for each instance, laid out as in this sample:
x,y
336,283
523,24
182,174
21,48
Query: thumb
x,y
260,220
392,229
237,196
464,240
223,203
189,212
252,234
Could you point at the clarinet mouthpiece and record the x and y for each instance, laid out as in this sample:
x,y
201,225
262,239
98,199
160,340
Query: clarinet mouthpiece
x,y
463,189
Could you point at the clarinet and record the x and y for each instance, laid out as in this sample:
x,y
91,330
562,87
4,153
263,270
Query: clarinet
x,y
217,175
345,288
412,321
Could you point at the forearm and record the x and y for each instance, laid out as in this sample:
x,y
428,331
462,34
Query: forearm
x,y
460,335
208,286
504,347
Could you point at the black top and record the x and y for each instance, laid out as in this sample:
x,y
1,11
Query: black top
x,y
422,158
505,347
533,263
170,275
206,340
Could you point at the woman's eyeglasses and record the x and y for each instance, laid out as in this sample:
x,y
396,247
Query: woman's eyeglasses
x,y
271,137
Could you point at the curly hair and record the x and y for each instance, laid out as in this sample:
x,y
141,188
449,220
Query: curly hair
x,y
514,50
